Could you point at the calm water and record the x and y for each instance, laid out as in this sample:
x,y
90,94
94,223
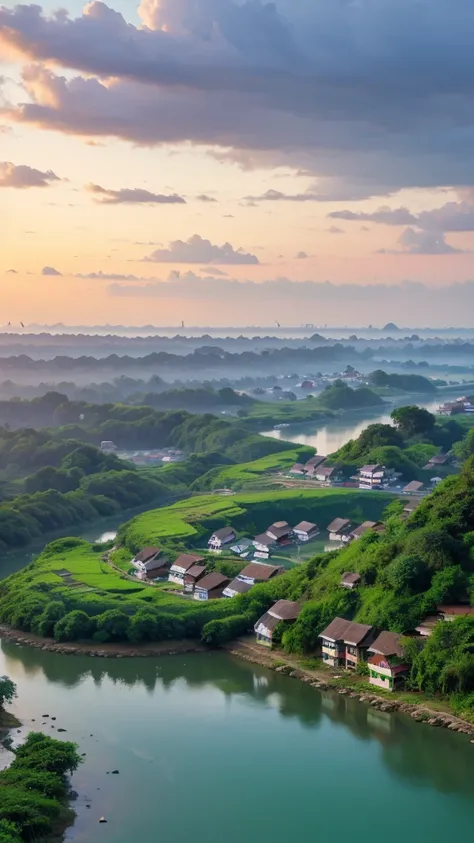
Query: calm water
x,y
338,431
211,749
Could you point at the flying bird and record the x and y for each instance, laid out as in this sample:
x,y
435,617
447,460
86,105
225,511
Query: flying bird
x,y
22,325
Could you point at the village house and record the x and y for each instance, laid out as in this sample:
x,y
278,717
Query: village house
x,y
148,555
372,477
316,461
363,529
280,532
387,667
357,640
259,572
305,531
425,628
436,461
413,487
345,643
221,537
262,545
211,586
328,474
182,565
339,530
284,611
237,587
192,576
350,580
410,507
298,468
450,613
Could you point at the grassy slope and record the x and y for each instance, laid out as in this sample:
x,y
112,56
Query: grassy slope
x,y
237,477
191,521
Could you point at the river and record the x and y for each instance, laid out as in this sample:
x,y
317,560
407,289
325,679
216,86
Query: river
x,y
209,749
330,437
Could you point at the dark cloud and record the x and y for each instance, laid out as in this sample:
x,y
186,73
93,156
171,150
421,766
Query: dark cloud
x,y
203,197
22,176
301,256
50,270
132,196
198,250
109,276
333,229
353,93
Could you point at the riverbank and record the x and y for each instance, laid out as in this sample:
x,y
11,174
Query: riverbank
x,y
105,651
424,711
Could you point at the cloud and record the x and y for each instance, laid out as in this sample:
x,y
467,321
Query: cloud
x,y
452,216
301,256
278,196
22,176
384,215
50,270
353,94
333,229
212,270
12,272
108,276
203,197
198,250
135,196
422,243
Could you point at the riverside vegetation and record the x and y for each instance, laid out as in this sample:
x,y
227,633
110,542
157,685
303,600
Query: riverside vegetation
x,y
34,789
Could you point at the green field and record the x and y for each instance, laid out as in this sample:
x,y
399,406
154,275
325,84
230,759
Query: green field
x,y
189,523
251,474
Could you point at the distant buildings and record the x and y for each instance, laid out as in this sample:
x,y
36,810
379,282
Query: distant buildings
x,y
339,530
372,477
305,531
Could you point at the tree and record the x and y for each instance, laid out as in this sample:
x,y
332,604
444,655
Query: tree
x,y
7,690
45,754
413,420
112,626
73,626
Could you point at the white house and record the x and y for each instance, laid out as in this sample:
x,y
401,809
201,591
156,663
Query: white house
x,y
263,543
221,537
182,565
306,530
280,531
236,587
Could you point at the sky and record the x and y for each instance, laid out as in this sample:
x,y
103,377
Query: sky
x,y
237,162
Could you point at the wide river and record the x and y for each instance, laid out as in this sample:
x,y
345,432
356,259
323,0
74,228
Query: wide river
x,y
211,750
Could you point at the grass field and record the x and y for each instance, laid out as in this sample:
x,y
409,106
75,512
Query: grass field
x,y
188,523
251,474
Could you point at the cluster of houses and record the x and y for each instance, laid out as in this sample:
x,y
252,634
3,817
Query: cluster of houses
x,y
277,535
370,478
454,408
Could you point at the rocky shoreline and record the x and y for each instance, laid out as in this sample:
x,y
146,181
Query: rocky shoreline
x,y
103,651
417,711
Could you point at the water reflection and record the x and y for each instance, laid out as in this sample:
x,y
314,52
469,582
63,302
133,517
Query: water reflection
x,y
424,757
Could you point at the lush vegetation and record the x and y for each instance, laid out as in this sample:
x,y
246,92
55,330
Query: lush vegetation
x,y
406,446
71,592
34,789
253,474
340,396
403,382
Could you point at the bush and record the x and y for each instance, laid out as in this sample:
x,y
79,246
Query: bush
x,y
221,630
74,626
